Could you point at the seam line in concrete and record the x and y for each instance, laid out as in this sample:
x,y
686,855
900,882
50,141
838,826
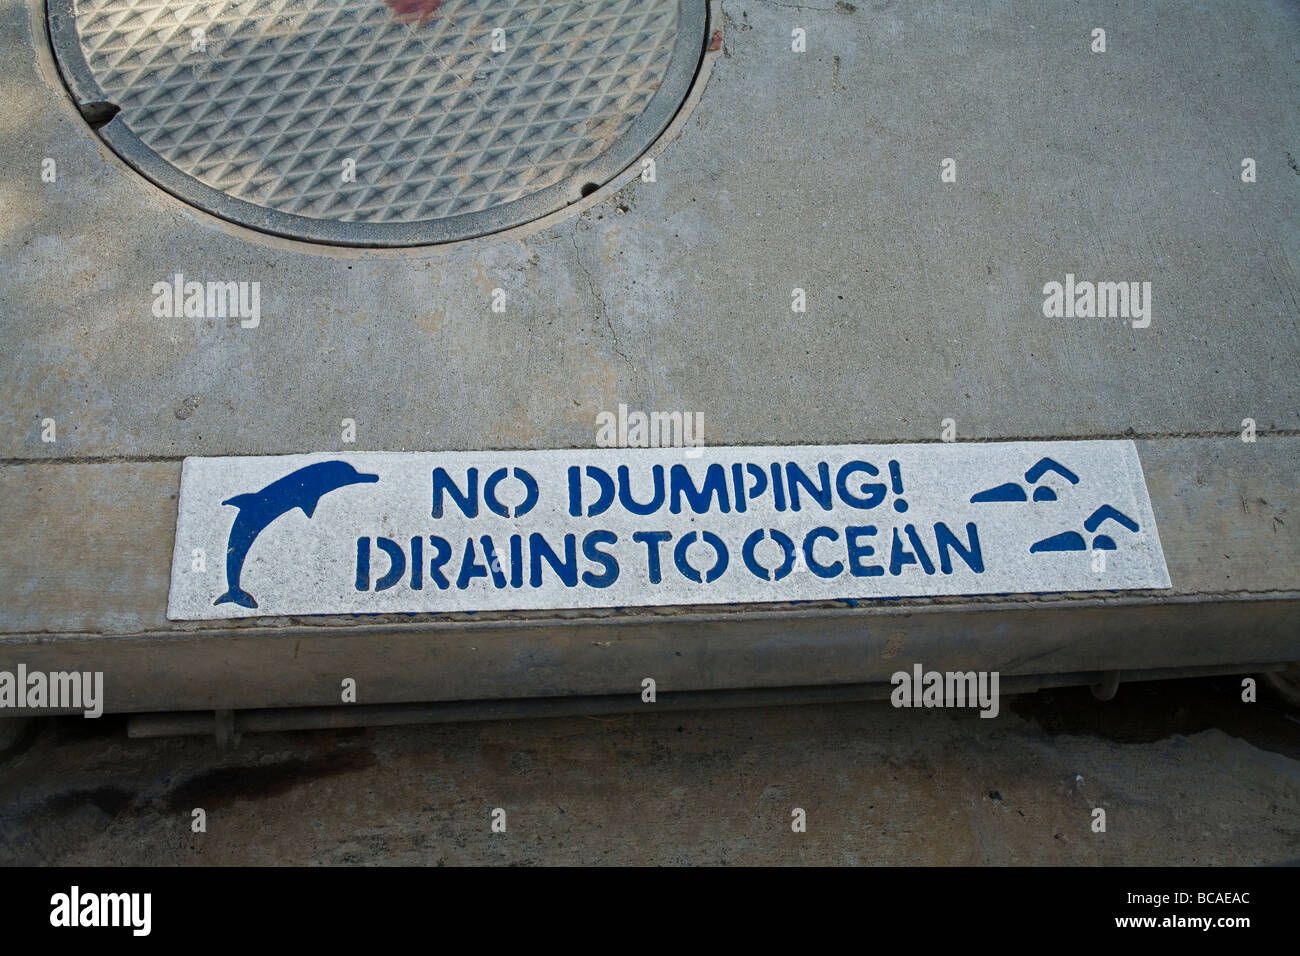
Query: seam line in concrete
x,y
1262,437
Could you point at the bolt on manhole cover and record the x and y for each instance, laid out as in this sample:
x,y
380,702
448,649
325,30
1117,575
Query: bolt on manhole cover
x,y
379,122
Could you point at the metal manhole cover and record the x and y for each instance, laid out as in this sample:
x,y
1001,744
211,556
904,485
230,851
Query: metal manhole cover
x,y
379,122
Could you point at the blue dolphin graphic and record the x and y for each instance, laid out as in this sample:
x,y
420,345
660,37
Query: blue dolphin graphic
x,y
302,489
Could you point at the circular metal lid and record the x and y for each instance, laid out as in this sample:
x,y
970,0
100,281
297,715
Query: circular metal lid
x,y
379,122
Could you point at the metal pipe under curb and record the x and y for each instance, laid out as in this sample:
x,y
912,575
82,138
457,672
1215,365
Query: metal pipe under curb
x,y
342,716
202,723
1107,687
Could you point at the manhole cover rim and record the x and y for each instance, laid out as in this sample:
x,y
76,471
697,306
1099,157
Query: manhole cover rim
x,y
639,138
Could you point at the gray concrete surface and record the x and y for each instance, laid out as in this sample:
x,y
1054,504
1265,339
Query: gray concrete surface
x,y
1187,775
819,170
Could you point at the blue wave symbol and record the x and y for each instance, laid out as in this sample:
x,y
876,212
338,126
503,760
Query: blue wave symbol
x,y
1012,491
1073,541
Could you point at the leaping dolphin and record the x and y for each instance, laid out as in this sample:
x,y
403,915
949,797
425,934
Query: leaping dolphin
x,y
302,489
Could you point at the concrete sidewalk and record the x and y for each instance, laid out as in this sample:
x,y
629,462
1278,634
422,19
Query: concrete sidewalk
x,y
819,171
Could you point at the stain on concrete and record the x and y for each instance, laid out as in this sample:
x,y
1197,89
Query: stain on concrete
x,y
108,800
225,785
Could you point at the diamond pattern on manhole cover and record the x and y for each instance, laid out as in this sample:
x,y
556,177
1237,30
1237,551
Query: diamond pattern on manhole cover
x,y
383,121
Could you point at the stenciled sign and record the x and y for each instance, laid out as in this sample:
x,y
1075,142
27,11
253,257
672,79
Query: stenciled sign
x,y
387,532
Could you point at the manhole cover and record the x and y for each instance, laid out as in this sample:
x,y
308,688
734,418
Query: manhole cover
x,y
379,122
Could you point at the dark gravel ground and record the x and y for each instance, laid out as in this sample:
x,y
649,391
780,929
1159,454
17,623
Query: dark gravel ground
x,y
1186,772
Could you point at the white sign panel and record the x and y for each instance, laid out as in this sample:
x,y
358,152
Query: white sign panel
x,y
377,532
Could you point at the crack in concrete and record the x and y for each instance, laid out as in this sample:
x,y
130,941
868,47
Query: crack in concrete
x,y
599,297
801,6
